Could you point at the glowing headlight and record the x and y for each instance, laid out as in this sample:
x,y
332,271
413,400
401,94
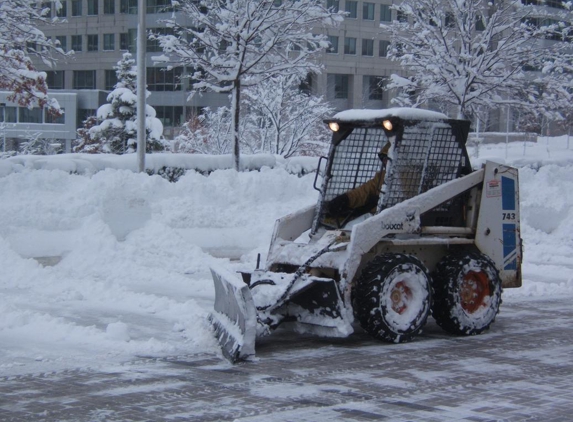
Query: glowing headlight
x,y
334,126
388,125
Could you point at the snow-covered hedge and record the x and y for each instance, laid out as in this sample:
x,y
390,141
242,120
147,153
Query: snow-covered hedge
x,y
170,166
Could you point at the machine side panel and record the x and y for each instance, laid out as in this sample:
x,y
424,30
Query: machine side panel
x,y
498,233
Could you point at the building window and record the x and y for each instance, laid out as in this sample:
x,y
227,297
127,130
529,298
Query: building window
x,y
333,40
375,86
153,45
108,42
384,45
55,79
92,42
26,115
77,43
385,13
47,6
349,45
333,5
170,116
352,9
161,79
76,7
367,47
341,86
124,41
10,113
158,6
92,7
450,20
110,79
131,40
63,40
108,7
62,12
83,114
51,118
368,11
31,46
305,86
84,79
480,26
128,6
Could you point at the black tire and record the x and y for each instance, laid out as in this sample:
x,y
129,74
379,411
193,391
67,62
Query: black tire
x,y
392,297
467,293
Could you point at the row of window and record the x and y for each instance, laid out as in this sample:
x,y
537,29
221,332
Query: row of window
x,y
368,10
339,86
93,42
26,115
350,46
109,7
170,116
126,41
158,79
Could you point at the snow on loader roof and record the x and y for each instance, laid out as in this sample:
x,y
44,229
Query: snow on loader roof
x,y
401,112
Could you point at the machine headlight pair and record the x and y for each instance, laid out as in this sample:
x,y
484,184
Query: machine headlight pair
x,y
335,127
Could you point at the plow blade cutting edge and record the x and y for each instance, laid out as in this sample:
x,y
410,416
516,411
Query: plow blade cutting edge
x,y
235,317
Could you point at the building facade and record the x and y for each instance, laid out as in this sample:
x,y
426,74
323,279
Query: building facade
x,y
100,31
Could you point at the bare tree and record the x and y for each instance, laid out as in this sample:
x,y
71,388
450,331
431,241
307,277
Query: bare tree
x,y
285,120
239,43
20,40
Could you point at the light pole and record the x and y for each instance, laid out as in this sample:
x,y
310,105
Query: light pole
x,y
141,79
3,105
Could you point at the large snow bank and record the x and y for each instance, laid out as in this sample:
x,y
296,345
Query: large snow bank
x,y
102,267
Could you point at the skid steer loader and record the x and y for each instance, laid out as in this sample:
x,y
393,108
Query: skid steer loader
x,y
441,239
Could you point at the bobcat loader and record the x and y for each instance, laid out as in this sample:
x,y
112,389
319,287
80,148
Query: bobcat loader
x,y
443,239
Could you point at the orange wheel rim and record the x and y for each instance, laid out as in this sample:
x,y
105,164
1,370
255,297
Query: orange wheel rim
x,y
474,290
400,296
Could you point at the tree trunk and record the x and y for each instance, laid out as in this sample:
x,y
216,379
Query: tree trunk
x,y
235,110
461,114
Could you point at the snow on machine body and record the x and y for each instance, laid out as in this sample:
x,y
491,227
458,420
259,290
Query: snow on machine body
x,y
443,239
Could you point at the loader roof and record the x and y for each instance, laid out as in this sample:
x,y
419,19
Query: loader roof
x,y
406,113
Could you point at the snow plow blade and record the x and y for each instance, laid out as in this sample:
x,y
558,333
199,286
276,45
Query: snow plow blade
x,y
235,317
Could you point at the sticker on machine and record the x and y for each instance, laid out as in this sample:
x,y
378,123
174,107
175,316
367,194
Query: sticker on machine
x,y
493,188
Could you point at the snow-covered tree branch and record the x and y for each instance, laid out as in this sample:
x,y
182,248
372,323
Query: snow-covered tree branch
x,y
19,40
469,54
284,120
240,43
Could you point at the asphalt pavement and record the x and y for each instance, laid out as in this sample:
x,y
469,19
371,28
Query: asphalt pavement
x,y
520,370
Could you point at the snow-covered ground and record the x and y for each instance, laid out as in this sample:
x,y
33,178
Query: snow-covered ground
x,y
97,269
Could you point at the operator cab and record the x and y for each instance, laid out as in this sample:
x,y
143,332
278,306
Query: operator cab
x,y
427,150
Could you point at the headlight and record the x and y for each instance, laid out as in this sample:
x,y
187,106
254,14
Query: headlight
x,y
334,126
388,125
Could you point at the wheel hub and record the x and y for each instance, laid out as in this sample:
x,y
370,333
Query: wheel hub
x,y
400,296
473,291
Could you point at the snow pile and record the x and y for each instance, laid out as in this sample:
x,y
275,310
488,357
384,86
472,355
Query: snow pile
x,y
131,274
102,267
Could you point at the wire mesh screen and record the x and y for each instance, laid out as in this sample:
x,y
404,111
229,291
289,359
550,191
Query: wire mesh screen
x,y
355,161
427,156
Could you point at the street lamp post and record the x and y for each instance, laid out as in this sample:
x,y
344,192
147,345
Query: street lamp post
x,y
3,105
141,79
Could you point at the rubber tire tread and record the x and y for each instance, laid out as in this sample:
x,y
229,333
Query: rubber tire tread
x,y
366,299
446,306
